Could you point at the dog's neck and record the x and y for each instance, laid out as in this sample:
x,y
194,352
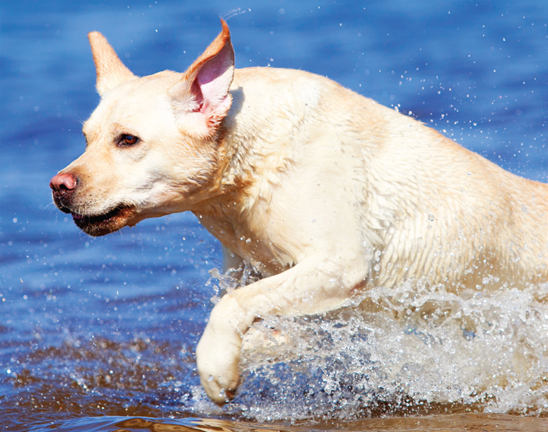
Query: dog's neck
x,y
231,218
250,166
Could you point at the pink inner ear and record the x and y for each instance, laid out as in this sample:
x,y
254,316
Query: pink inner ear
x,y
212,69
213,81
198,97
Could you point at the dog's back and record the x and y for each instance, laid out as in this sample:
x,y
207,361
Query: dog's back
x,y
423,206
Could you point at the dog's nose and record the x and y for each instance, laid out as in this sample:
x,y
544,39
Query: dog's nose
x,y
63,183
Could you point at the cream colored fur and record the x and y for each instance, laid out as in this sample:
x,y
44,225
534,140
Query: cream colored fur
x,y
324,192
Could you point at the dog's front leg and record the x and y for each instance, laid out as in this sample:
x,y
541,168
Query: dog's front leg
x,y
315,285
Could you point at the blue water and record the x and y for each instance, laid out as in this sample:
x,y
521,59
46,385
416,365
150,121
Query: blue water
x,y
108,326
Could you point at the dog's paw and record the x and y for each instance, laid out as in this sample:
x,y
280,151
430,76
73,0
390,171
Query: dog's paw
x,y
218,356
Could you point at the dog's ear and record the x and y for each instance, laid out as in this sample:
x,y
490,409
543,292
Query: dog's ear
x,y
110,70
201,99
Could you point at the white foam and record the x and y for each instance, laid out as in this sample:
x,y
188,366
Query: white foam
x,y
399,350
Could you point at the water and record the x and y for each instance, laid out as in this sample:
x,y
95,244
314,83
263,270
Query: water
x,y
96,332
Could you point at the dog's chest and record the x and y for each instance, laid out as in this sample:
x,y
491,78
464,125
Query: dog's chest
x,y
252,244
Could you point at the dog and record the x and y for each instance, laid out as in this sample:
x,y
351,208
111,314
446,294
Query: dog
x,y
323,192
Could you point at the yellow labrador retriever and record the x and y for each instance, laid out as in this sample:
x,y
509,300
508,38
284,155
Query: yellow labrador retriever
x,y
323,192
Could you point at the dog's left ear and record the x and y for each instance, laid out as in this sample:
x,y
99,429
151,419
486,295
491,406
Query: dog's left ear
x,y
201,99
110,70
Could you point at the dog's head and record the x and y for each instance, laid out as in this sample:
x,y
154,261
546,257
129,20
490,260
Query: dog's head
x,y
152,143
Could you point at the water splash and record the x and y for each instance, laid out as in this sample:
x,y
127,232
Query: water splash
x,y
406,350
229,14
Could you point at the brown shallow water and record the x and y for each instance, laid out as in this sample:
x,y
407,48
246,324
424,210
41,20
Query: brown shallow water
x,y
438,423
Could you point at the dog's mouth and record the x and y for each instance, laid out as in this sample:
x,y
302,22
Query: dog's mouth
x,y
106,223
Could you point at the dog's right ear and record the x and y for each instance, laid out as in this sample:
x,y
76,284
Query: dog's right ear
x,y
110,69
201,99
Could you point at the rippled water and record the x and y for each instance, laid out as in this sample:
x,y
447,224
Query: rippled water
x,y
96,334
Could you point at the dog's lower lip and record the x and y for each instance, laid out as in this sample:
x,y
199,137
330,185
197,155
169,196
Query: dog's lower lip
x,y
80,219
101,224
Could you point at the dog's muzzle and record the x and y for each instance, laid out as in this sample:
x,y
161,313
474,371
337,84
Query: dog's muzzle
x,y
63,187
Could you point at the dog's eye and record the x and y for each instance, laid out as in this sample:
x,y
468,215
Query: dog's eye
x,y
126,140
